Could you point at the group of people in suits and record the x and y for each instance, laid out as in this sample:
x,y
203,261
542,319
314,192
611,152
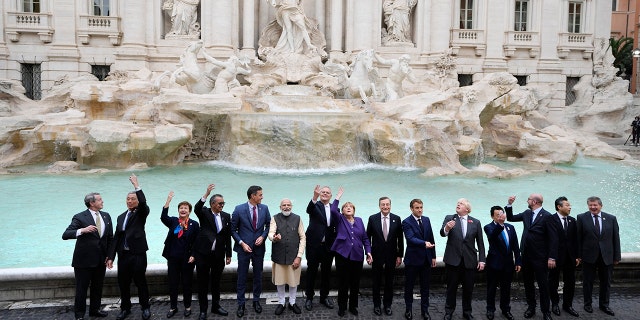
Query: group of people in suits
x,y
551,245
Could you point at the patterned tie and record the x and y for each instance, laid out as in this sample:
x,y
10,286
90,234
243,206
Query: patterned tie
x,y
385,230
255,217
597,222
463,222
99,224
505,238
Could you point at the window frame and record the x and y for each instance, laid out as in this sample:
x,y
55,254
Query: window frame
x,y
100,5
31,6
574,15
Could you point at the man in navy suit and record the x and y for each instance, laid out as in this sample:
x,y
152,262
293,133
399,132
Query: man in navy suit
x,y
212,250
249,228
503,258
93,232
539,248
566,230
419,258
598,249
384,230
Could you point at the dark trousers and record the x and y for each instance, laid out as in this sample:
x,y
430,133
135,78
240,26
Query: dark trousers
x,y
455,275
499,278
180,271
588,277
322,258
85,278
257,260
132,267
568,271
379,272
410,274
209,271
536,272
349,272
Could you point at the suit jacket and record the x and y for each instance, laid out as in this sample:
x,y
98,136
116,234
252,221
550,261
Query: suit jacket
x,y
591,244
178,247
318,228
385,251
567,241
539,242
351,241
134,232
91,250
462,249
500,257
242,227
209,232
416,253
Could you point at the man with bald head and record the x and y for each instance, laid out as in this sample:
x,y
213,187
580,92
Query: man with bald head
x,y
539,248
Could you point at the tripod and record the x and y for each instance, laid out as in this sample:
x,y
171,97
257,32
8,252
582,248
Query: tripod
x,y
629,137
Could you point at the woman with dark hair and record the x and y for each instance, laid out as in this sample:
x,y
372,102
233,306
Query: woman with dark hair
x,y
177,250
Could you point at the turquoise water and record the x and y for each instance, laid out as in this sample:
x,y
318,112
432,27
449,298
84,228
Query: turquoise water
x,y
36,208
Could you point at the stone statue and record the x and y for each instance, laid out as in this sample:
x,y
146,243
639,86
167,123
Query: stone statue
x,y
189,73
184,18
396,17
226,78
363,77
292,20
398,71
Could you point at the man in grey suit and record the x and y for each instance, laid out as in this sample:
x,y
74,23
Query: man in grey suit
x,y
598,248
461,257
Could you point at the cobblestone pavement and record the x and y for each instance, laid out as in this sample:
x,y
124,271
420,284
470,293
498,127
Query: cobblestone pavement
x,y
625,301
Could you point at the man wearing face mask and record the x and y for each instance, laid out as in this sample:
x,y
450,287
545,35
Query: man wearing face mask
x,y
286,231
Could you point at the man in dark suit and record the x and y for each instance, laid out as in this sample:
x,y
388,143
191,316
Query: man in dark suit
x,y
503,258
130,243
598,248
461,257
321,233
384,230
566,230
539,248
212,250
419,258
93,232
249,228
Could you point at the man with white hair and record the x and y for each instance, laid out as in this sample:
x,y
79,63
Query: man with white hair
x,y
398,71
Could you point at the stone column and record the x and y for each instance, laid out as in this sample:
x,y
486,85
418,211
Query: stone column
x,y
218,26
336,24
133,54
494,37
320,14
4,51
362,33
248,28
62,56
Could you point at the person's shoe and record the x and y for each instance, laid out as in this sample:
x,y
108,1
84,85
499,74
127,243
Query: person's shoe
x,y
447,316
555,309
408,315
387,311
377,311
81,318
279,309
607,310
490,315
202,316
220,311
240,312
308,304
588,308
123,314
341,312
146,314
257,307
571,311
508,315
529,313
187,312
426,316
328,302
354,311
172,312
547,316
98,314
467,316
294,307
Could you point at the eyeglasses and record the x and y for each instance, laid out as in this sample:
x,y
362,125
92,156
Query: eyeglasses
x,y
220,203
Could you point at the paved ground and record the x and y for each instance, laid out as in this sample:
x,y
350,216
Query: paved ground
x,y
625,301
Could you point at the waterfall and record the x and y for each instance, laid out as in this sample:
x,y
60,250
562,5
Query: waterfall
x,y
479,155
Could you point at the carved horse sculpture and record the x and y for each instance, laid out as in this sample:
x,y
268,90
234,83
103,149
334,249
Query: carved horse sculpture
x,y
362,80
189,74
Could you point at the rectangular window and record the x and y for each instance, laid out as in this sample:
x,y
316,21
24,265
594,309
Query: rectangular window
x,y
466,14
31,74
521,12
100,71
575,16
101,8
465,79
571,96
614,5
31,6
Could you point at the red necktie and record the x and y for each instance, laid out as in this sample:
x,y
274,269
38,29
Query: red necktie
x,y
255,217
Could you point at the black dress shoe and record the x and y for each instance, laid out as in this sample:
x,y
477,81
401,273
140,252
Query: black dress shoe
x,y
240,312
257,307
187,312
547,316
146,314
607,310
447,316
530,312
555,309
508,315
98,314
202,316
387,311
123,314
426,316
279,309
408,315
467,316
341,312
571,311
354,311
172,312
294,307
588,309
220,311
328,302
308,304
377,311
490,315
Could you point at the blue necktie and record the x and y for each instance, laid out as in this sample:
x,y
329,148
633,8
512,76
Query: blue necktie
x,y
504,238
